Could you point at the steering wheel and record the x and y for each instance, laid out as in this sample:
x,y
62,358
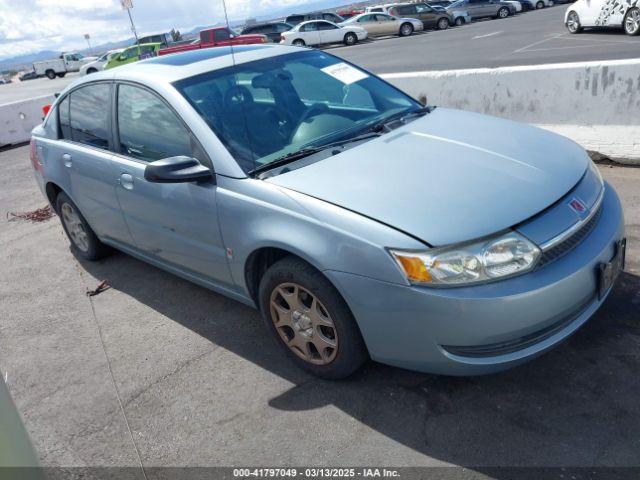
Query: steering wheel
x,y
281,121
312,111
237,96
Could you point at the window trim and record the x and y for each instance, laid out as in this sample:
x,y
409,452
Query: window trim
x,y
109,118
116,132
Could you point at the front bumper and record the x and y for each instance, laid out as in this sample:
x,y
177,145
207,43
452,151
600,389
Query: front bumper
x,y
409,326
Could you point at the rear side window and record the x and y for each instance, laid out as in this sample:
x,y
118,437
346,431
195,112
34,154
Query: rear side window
x,y
148,129
63,117
89,115
221,35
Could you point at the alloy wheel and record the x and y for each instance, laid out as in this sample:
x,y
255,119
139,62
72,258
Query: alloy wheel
x,y
632,22
573,23
503,13
406,30
75,227
303,323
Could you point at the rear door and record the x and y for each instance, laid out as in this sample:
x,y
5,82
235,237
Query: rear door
x,y
174,223
475,8
83,153
310,33
330,33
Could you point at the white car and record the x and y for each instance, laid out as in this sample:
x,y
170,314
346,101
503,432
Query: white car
x,y
97,65
517,5
319,32
381,24
604,13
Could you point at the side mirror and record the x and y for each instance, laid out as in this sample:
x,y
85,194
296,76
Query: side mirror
x,y
178,169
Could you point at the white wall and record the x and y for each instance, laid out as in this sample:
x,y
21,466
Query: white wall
x,y
17,119
596,103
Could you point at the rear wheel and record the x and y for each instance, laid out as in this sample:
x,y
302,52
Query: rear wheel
x,y
50,74
406,29
443,24
61,74
310,320
83,239
459,21
350,39
503,12
573,23
299,42
91,70
539,5
632,22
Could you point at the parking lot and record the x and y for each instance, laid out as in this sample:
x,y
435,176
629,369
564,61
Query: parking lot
x,y
157,371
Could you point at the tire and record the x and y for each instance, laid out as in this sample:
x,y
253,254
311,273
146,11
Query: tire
x,y
350,39
299,43
459,21
443,24
91,70
539,5
293,282
406,29
61,74
50,74
503,12
632,22
573,23
84,241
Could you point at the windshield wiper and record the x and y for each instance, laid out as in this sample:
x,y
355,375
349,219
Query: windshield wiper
x,y
400,116
308,151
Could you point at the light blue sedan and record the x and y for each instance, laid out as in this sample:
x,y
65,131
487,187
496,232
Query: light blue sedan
x,y
361,223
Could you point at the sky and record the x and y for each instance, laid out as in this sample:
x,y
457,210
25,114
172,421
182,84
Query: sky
x,y
29,26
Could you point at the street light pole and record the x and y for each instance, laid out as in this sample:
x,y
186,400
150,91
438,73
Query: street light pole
x,y
87,37
128,5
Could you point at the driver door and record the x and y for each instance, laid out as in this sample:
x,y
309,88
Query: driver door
x,y
311,34
329,33
387,24
175,224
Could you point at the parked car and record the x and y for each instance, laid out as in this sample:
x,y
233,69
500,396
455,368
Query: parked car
x,y
601,13
485,8
516,4
272,30
99,64
430,17
527,5
350,13
58,67
319,32
17,455
29,75
360,222
216,37
132,54
299,18
381,24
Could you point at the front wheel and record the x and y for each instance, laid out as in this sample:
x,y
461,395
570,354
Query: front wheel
x,y
50,74
573,23
406,29
503,12
459,21
91,70
443,24
61,74
350,39
310,320
83,239
539,5
299,43
632,22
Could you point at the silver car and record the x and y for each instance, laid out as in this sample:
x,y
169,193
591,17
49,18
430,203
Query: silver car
x,y
361,223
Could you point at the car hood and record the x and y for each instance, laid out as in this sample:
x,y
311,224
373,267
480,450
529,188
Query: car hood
x,y
447,177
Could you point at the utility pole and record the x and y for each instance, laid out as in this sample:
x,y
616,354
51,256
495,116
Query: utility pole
x,y
87,37
128,5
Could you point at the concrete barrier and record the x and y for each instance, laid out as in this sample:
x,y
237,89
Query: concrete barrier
x,y
595,103
17,119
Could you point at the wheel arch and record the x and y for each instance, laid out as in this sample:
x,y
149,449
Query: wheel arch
x,y
53,190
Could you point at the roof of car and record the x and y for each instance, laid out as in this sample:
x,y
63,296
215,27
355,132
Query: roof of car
x,y
176,66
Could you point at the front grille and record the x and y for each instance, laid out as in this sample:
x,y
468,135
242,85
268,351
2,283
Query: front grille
x,y
571,242
503,348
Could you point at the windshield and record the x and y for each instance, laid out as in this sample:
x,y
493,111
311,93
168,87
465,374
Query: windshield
x,y
266,109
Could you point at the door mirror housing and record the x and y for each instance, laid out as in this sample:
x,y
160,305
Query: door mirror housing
x,y
180,169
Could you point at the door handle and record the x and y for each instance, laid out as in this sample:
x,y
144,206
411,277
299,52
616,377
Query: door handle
x,y
126,181
66,159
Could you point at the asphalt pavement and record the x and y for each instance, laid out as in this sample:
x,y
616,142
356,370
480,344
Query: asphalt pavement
x,y
157,371
17,90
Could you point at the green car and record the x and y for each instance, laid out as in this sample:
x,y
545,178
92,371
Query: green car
x,y
133,54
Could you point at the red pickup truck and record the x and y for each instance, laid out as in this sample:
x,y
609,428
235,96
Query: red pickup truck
x,y
216,37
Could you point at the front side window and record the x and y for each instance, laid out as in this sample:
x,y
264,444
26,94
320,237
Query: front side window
x,y
265,109
63,118
365,19
89,115
326,26
422,8
130,53
148,129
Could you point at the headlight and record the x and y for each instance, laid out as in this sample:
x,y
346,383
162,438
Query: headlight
x,y
594,169
487,260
